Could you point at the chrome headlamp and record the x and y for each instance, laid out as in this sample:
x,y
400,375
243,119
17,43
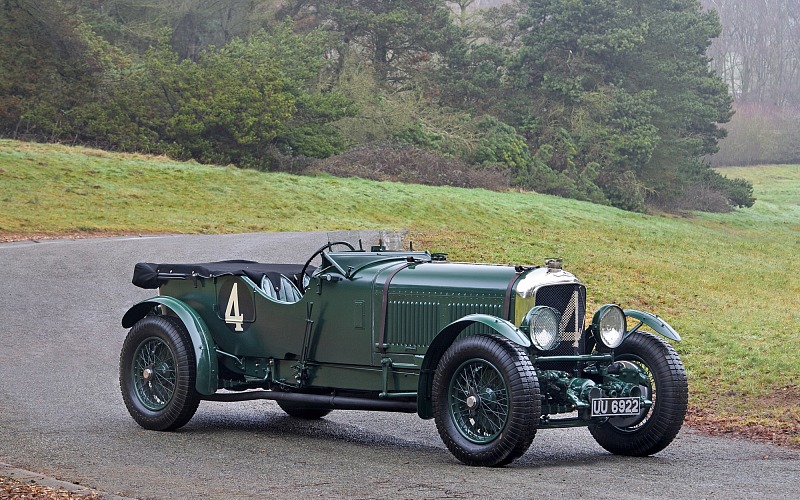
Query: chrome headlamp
x,y
543,324
610,325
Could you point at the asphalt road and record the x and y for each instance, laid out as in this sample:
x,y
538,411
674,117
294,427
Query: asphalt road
x,y
61,413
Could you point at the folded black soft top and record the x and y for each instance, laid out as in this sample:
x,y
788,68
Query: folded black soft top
x,y
149,275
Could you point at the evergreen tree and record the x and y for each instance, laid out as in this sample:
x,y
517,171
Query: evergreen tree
x,y
51,63
620,88
396,37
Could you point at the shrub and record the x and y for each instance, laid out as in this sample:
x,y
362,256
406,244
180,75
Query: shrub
x,y
701,188
501,144
704,198
405,163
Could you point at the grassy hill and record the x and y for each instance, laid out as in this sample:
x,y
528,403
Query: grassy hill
x,y
727,282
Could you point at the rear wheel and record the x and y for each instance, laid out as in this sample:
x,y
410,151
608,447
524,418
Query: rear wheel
x,y
486,400
303,410
157,374
666,386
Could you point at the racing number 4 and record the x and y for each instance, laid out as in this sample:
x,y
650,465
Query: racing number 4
x,y
232,313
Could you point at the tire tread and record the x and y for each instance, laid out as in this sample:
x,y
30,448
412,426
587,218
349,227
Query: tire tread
x,y
524,392
672,397
185,400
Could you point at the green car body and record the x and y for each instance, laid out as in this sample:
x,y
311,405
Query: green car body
x,y
403,331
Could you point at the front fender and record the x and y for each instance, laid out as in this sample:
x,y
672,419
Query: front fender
x,y
443,340
204,348
657,324
499,325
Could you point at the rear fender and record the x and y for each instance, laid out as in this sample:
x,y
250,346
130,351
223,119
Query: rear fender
x,y
443,341
202,343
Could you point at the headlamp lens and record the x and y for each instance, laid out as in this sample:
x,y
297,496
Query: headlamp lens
x,y
544,324
611,326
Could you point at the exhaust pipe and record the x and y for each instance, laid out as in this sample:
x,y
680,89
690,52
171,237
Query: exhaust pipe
x,y
320,400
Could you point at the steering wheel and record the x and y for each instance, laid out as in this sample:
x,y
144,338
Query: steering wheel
x,y
326,246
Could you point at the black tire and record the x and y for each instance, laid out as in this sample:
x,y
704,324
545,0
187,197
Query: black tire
x,y
157,374
486,400
656,427
303,410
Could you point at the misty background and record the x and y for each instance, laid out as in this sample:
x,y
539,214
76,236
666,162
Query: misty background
x,y
622,102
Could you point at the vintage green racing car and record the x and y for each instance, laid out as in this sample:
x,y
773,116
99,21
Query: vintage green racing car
x,y
493,353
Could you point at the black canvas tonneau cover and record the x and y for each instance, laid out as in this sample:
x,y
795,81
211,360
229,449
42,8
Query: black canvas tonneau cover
x,y
149,275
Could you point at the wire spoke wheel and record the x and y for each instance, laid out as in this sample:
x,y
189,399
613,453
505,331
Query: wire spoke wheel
x,y
154,373
486,400
479,401
157,373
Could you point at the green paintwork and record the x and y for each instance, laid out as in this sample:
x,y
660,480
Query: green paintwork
x,y
657,324
375,325
498,325
417,312
369,332
205,356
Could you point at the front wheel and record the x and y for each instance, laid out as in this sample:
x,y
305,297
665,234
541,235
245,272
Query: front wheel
x,y
486,400
666,387
157,374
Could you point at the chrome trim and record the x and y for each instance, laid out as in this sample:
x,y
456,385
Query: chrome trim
x,y
539,277
527,286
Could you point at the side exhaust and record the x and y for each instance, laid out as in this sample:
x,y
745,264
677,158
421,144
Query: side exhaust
x,y
321,400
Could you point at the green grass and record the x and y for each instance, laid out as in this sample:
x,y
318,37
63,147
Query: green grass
x,y
727,282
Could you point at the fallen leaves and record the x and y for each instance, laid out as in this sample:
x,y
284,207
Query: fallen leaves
x,y
11,489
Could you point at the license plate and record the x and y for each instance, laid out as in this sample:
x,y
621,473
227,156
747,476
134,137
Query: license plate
x,y
612,407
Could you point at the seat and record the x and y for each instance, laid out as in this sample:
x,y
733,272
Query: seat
x,y
288,291
285,291
268,288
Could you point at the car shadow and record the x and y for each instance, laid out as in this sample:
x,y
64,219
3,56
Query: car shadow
x,y
403,434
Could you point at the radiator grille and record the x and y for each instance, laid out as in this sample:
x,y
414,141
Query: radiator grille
x,y
571,301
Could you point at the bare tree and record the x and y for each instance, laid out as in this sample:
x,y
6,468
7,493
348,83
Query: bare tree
x,y
758,53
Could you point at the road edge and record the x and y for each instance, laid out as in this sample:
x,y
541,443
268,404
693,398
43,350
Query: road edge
x,y
26,476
